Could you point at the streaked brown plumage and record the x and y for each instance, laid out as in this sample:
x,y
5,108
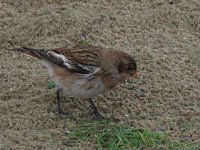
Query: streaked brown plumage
x,y
85,71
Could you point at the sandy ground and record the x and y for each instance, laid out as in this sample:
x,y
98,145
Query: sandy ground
x,y
163,35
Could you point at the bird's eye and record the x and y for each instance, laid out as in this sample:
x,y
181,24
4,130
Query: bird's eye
x,y
129,68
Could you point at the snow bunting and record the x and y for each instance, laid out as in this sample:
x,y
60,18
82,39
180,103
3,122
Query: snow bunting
x,y
84,71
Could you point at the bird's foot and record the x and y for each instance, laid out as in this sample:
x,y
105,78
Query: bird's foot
x,y
63,114
98,116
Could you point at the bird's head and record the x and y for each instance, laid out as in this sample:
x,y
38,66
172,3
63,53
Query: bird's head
x,y
127,66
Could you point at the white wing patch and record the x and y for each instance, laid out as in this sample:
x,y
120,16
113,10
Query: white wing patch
x,y
66,61
92,69
78,68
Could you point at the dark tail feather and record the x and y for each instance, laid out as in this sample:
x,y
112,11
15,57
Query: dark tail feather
x,y
40,54
31,52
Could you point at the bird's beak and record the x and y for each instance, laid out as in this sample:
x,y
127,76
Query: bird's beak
x,y
136,74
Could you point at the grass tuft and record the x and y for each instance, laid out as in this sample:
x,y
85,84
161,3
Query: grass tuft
x,y
51,85
110,135
84,42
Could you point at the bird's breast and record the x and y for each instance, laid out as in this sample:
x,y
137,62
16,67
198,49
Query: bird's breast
x,y
83,88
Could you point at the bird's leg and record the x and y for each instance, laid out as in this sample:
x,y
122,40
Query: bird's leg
x,y
95,110
58,98
62,113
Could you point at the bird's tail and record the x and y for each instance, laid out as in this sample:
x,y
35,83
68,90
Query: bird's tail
x,y
39,54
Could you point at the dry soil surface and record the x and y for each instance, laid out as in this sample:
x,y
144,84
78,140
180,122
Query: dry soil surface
x,y
162,35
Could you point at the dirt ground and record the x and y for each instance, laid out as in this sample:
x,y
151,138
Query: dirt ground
x,y
162,35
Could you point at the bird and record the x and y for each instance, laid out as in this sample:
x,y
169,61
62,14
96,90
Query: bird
x,y
84,71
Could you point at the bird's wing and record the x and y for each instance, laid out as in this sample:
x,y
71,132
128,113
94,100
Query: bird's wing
x,y
79,59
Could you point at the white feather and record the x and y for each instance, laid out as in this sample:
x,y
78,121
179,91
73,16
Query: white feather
x,y
69,64
65,60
